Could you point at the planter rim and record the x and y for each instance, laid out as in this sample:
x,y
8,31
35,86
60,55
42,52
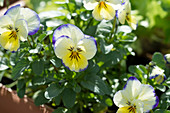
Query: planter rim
x,y
11,103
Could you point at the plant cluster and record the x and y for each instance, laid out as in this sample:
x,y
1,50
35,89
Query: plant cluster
x,y
80,64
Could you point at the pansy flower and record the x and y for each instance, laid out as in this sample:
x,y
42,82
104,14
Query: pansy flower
x,y
15,25
124,13
102,9
167,58
158,74
135,97
73,47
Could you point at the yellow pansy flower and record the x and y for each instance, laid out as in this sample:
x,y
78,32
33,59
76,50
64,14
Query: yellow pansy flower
x,y
15,25
102,9
124,13
135,97
73,47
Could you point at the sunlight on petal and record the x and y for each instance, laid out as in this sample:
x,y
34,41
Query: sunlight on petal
x,y
32,19
21,26
89,47
9,41
74,64
62,45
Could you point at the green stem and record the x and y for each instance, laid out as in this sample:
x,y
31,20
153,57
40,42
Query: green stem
x,y
90,22
148,70
29,42
32,40
113,28
151,111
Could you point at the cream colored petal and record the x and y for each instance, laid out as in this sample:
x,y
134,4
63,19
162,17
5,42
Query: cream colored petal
x,y
107,13
68,30
132,88
74,64
90,4
147,96
96,13
132,22
21,26
128,6
61,46
122,16
88,46
119,99
103,11
8,42
5,21
32,19
14,12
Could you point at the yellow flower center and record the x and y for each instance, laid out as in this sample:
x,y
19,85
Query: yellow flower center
x,y
13,34
74,53
132,109
102,5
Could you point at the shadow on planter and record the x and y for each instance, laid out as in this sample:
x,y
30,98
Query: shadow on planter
x,y
11,103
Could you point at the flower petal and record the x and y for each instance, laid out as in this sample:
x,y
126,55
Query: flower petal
x,y
74,64
89,47
160,79
156,71
14,12
8,42
122,16
119,99
32,19
147,96
90,4
132,22
167,58
103,11
68,30
5,21
61,46
21,25
124,110
132,88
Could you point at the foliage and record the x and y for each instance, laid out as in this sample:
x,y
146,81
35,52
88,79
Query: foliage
x,y
41,75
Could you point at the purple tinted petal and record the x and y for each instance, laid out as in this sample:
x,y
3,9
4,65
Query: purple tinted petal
x,y
130,78
11,8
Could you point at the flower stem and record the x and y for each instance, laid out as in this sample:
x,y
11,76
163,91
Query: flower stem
x,y
32,40
29,42
113,28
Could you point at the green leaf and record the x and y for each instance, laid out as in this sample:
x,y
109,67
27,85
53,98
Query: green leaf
x,y
1,75
38,80
19,68
139,70
21,83
59,110
54,90
58,99
161,111
105,48
109,102
40,98
56,62
161,87
158,58
68,97
165,5
42,37
130,37
21,92
38,66
96,84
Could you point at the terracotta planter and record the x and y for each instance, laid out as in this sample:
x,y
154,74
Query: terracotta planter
x,y
11,103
